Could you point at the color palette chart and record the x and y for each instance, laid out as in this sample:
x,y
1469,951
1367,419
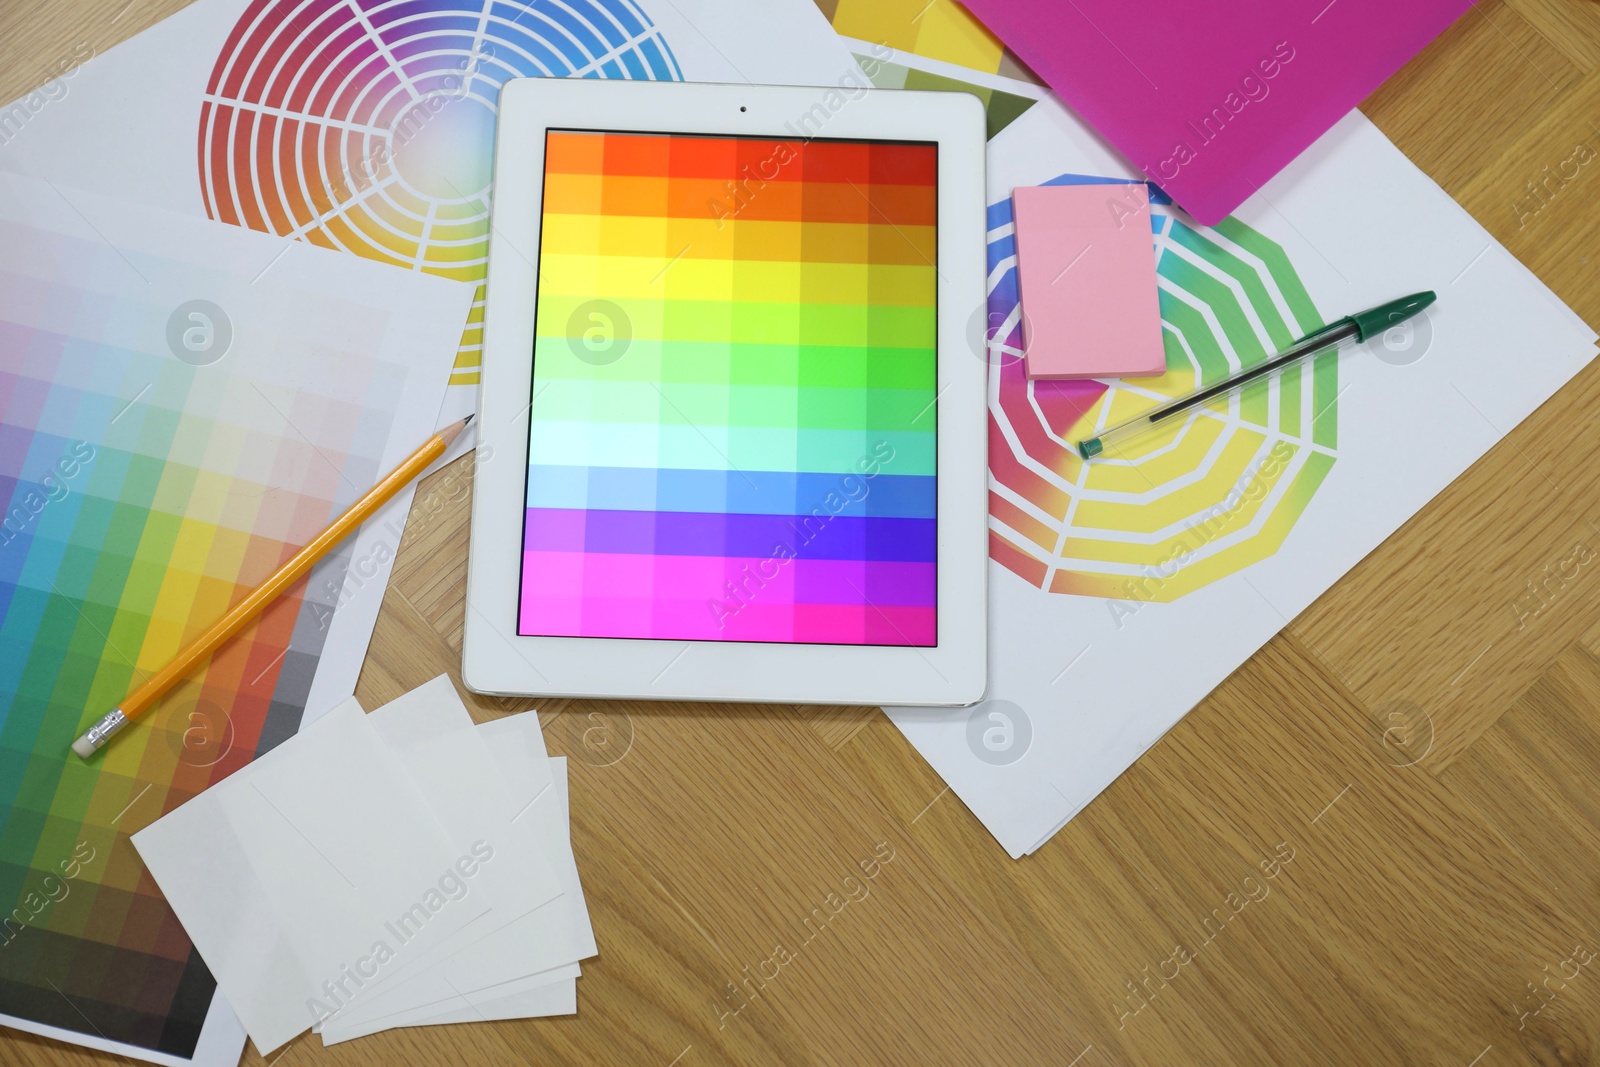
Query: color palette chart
x,y
159,458
1201,500
937,29
934,45
1001,108
369,126
732,431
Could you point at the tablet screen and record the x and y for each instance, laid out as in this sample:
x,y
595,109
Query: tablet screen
x,y
732,425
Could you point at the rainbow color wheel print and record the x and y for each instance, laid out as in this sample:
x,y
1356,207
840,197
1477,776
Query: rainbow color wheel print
x,y
1186,506
368,125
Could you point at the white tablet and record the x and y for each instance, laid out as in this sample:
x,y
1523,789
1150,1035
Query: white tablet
x,y
732,434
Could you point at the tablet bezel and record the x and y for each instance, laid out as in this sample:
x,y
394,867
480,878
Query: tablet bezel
x,y
495,658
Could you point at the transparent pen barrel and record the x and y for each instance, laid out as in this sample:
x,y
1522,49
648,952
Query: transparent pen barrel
x,y
1116,438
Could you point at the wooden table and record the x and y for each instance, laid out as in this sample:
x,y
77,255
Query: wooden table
x,y
796,886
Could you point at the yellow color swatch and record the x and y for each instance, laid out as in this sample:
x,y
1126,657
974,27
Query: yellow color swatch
x,y
942,30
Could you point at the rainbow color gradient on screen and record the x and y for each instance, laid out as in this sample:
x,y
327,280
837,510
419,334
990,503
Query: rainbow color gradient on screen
x,y
141,498
732,431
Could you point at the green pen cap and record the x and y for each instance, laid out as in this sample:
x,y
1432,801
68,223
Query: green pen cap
x,y
1373,322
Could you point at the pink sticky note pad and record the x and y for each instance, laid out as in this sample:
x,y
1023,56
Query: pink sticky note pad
x,y
1086,267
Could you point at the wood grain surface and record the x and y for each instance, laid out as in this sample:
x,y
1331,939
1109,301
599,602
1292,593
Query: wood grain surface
x,y
1378,842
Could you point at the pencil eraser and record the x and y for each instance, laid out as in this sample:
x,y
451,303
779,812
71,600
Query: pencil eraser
x,y
1086,269
83,747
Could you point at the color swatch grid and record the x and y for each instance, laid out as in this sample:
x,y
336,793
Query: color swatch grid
x,y
732,433
369,126
142,497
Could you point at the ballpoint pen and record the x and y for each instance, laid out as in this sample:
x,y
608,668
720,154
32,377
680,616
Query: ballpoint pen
x,y
1358,327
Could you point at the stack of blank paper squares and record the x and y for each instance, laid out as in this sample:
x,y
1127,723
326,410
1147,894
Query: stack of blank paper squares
x,y
402,868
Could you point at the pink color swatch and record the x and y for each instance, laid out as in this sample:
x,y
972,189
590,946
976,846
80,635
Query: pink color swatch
x,y
1212,100
1086,265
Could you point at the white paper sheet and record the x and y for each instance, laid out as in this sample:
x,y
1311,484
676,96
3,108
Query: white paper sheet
x,y
431,733
338,874
1081,685
529,953
558,999
537,996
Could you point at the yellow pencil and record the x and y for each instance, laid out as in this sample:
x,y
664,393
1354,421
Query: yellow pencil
x,y
241,613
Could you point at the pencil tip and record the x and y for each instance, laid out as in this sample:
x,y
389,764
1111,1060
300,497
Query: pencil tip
x,y
455,430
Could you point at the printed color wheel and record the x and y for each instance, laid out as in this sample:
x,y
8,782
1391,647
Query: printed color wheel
x,y
368,125
1192,504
